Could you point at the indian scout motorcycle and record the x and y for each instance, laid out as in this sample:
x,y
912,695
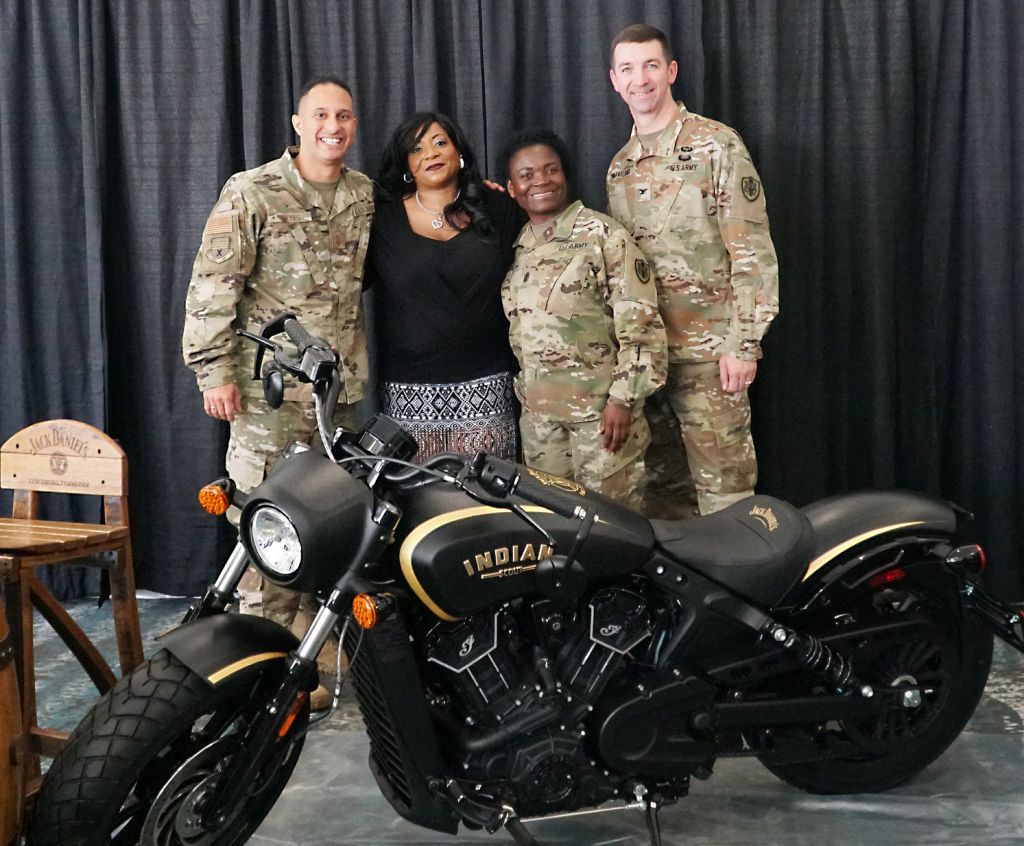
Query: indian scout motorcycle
x,y
522,647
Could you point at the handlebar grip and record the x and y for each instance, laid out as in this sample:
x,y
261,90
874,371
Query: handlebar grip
x,y
501,478
299,336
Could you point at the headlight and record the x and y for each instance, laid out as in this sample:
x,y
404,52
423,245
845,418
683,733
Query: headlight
x,y
275,541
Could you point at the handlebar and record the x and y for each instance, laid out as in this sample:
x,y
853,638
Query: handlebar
x,y
300,337
501,478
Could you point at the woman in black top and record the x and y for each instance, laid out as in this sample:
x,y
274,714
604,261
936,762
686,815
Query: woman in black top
x,y
440,246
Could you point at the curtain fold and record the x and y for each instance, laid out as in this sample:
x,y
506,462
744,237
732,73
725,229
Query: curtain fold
x,y
887,134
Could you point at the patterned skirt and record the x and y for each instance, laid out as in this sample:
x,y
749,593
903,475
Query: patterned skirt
x,y
459,417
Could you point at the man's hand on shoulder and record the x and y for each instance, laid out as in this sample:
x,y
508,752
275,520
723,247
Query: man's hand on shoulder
x,y
222,402
736,373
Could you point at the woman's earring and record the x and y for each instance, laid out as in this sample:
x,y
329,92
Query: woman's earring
x,y
407,177
462,162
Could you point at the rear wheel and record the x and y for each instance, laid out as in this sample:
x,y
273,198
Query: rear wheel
x,y
142,763
946,663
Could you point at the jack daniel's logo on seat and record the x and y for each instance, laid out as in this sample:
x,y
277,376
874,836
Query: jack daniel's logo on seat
x,y
506,560
765,517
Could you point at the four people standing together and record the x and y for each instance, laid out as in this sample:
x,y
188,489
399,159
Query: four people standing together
x,y
668,296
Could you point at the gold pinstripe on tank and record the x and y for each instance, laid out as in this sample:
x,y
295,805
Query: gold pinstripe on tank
x,y
417,535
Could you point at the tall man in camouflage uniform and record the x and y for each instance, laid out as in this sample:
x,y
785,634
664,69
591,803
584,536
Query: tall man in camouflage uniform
x,y
290,235
584,324
686,188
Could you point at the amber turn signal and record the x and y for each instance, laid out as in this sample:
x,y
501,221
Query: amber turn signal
x,y
364,609
214,499
369,610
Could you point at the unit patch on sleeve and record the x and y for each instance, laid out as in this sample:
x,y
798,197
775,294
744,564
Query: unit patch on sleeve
x,y
220,249
643,271
751,188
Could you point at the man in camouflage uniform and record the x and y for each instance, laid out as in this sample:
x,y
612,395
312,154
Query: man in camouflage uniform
x,y
686,189
290,235
584,324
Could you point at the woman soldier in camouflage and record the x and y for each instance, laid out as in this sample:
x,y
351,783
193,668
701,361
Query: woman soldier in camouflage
x,y
584,324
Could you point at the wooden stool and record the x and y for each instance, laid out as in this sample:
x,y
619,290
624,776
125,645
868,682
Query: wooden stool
x,y
67,457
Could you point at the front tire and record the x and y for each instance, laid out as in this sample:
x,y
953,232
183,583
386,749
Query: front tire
x,y
952,661
135,769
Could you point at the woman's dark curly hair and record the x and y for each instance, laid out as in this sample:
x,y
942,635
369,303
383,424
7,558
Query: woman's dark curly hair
x,y
530,138
394,166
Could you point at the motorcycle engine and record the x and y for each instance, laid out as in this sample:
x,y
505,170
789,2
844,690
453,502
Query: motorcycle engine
x,y
502,681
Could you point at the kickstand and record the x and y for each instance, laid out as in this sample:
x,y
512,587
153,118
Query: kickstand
x,y
651,814
519,833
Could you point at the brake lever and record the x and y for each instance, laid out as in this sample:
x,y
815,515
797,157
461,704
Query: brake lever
x,y
262,345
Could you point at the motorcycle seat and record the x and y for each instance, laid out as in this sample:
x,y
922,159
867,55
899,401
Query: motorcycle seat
x,y
759,546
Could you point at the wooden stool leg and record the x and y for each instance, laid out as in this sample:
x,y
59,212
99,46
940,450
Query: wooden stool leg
x,y
126,611
19,606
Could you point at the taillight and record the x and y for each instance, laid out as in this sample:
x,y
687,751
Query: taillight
x,y
889,576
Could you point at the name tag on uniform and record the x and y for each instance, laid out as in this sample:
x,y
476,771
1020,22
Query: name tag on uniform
x,y
643,192
363,208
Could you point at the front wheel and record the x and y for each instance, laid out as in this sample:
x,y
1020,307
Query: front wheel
x,y
139,767
948,660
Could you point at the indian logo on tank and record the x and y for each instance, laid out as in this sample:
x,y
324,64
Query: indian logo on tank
x,y
506,560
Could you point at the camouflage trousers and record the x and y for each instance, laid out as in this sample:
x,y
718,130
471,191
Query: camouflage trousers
x,y
259,435
701,457
576,451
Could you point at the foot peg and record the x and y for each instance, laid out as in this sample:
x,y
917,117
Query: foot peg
x,y
519,833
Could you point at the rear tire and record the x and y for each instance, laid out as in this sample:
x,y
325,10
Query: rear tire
x,y
954,661
103,786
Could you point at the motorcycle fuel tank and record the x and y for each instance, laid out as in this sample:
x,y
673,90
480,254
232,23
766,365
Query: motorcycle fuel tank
x,y
461,557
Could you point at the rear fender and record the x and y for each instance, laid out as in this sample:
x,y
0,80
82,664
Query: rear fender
x,y
850,572
218,648
860,535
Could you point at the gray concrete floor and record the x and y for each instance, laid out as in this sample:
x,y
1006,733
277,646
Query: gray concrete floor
x,y
971,795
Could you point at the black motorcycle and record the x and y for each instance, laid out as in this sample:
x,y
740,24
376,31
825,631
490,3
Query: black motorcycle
x,y
523,647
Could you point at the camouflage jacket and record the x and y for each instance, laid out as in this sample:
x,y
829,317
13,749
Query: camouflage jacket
x,y
583,315
696,208
270,246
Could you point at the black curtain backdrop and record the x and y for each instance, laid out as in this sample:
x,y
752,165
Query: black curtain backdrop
x,y
887,134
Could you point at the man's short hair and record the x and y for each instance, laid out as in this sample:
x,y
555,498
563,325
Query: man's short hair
x,y
324,79
639,34
531,138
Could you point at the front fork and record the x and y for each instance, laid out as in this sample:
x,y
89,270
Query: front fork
x,y
221,593
273,723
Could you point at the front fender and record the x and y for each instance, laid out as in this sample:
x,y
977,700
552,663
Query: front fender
x,y
216,648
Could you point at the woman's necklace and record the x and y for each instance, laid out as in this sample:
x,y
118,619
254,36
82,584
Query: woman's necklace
x,y
436,224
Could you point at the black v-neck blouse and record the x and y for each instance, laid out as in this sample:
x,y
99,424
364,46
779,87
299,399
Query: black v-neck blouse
x,y
437,304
